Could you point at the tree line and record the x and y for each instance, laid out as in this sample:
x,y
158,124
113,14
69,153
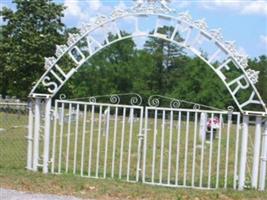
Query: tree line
x,y
31,32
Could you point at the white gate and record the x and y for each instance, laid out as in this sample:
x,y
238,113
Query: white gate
x,y
168,146
182,150
97,140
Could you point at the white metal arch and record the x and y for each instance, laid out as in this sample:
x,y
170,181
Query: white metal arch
x,y
55,76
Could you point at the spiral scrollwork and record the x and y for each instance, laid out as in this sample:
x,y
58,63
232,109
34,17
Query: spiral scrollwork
x,y
196,107
175,103
136,100
153,101
92,99
62,96
114,99
230,108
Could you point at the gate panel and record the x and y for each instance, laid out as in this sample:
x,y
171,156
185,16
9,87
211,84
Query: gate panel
x,y
181,149
97,140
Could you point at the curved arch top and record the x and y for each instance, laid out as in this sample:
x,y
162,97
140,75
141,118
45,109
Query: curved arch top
x,y
92,38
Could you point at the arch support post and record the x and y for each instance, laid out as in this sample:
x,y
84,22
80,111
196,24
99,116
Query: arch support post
x,y
46,134
262,176
36,136
243,158
30,137
256,156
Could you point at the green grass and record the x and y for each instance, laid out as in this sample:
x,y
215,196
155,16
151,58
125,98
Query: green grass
x,y
13,162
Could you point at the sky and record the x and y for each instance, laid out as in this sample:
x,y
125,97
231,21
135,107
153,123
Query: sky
x,y
242,21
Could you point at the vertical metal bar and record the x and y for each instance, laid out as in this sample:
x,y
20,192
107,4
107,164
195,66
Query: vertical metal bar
x,y
178,148
219,153
263,161
54,137
170,147
256,156
36,138
30,137
130,142
211,148
154,146
186,146
91,140
106,142
145,146
68,138
162,145
114,141
98,141
122,140
83,137
203,138
47,135
139,150
76,139
61,136
243,158
227,149
236,150
194,149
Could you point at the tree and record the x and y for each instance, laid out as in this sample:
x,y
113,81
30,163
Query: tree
x,y
30,34
259,64
164,54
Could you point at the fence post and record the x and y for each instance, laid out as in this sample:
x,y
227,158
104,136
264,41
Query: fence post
x,y
36,138
243,158
30,137
256,155
263,161
46,134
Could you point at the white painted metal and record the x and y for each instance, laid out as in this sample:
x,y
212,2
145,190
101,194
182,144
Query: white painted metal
x,y
236,151
106,141
30,138
162,146
170,147
175,158
178,149
98,141
155,132
219,153
122,141
54,138
229,124
114,142
37,120
62,111
210,152
91,141
194,149
256,156
47,135
68,137
263,160
140,144
83,138
130,143
243,155
186,146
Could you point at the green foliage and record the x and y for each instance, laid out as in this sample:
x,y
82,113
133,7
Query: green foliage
x,y
30,34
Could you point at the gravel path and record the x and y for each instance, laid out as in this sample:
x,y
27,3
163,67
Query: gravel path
x,y
15,195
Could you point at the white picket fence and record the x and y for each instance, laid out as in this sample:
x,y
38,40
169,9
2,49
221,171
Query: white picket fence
x,y
174,147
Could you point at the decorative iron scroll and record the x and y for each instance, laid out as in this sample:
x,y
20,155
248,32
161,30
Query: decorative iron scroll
x,y
80,51
131,98
163,101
